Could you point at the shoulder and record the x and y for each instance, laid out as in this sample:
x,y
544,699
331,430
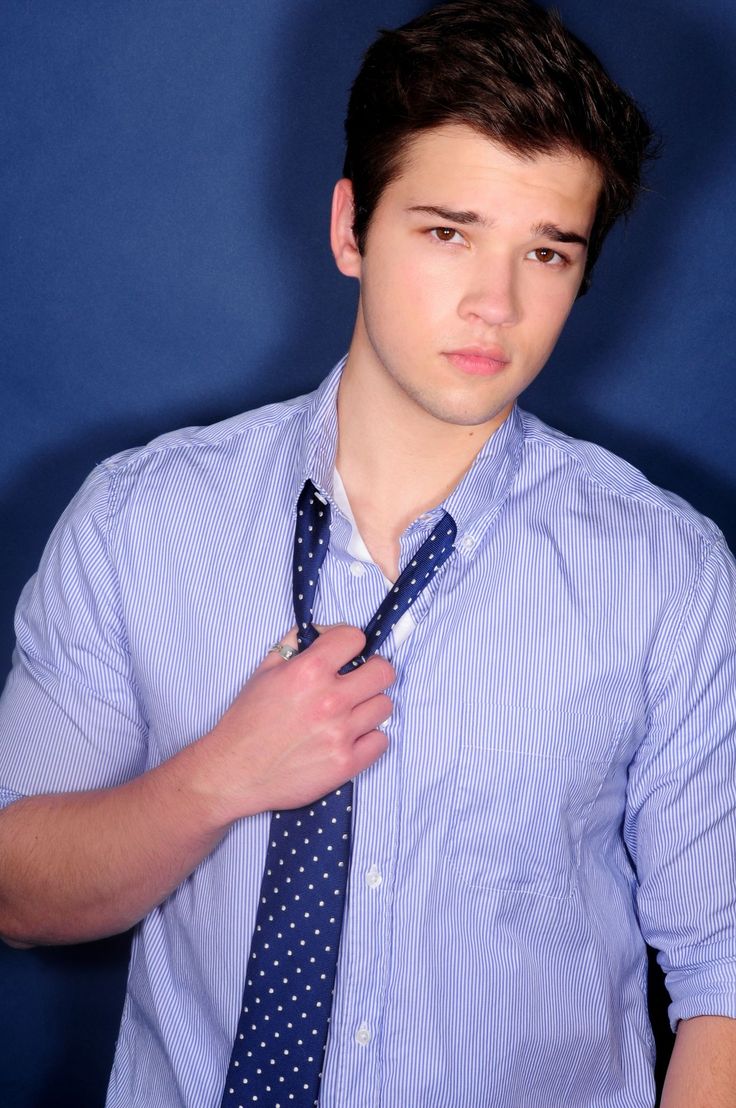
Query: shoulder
x,y
194,471
616,495
248,434
186,488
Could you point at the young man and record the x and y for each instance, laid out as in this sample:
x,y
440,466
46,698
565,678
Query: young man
x,y
543,770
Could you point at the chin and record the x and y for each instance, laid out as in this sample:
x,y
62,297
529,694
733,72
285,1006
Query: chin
x,y
465,415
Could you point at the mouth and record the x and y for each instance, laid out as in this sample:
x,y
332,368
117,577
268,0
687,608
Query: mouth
x,y
478,361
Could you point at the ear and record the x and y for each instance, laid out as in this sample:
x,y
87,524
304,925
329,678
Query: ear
x,y
344,247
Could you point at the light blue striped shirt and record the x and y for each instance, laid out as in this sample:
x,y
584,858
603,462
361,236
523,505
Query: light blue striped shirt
x,y
559,784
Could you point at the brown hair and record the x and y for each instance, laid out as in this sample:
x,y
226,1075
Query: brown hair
x,y
512,71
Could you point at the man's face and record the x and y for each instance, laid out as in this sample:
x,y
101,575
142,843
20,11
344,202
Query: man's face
x,y
473,259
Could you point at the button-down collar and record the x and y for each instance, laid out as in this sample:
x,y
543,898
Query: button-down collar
x,y
475,501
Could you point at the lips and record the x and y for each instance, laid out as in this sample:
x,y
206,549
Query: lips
x,y
478,360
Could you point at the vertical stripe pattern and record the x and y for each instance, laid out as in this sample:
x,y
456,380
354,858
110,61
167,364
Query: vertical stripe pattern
x,y
559,788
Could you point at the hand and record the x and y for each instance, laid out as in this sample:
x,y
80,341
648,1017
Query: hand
x,y
299,729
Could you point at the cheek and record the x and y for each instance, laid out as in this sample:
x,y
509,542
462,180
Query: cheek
x,y
549,308
402,296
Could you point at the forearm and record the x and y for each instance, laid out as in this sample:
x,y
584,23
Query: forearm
x,y
702,1071
80,866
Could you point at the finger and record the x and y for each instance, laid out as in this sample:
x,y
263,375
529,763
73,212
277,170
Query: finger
x,y
372,677
370,714
273,658
338,645
368,749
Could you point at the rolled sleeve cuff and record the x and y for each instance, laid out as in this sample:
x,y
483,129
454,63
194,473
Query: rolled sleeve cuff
x,y
710,992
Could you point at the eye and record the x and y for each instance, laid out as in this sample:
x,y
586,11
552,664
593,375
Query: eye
x,y
446,234
547,256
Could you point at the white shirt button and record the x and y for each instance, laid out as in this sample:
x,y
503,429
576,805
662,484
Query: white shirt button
x,y
373,877
357,569
363,1035
466,544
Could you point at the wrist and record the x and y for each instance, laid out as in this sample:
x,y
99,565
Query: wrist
x,y
190,784
208,786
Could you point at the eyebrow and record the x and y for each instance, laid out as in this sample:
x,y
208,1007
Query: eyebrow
x,y
556,234
449,214
542,230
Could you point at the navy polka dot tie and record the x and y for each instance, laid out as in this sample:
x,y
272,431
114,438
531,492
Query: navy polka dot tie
x,y
282,1029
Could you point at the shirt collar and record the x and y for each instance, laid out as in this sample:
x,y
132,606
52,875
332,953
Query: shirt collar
x,y
473,503
319,445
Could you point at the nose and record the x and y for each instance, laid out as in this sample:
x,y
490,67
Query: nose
x,y
491,294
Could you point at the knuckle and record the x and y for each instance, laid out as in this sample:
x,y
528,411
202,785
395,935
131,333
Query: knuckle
x,y
343,762
310,668
328,705
338,740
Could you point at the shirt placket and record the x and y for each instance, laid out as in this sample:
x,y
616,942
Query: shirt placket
x,y
352,1076
350,591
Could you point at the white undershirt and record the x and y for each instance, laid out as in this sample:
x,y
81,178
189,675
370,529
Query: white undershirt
x,y
359,551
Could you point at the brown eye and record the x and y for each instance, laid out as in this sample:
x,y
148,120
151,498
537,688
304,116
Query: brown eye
x,y
545,254
445,234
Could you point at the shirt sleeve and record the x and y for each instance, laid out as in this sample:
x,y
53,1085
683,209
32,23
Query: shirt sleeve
x,y
70,716
680,826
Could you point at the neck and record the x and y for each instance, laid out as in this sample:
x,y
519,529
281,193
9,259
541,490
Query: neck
x,y
396,460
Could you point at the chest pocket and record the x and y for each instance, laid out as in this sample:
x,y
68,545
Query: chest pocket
x,y
521,796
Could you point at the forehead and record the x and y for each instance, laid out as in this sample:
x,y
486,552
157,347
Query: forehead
x,y
457,167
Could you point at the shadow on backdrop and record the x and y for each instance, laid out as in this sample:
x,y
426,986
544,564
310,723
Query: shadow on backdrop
x,y
660,296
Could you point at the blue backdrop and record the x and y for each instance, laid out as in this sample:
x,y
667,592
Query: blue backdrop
x,y
165,192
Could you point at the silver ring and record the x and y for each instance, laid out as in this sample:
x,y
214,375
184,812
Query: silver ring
x,y
285,651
